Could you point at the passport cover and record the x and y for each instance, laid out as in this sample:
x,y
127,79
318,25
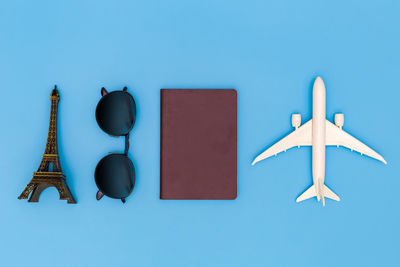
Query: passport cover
x,y
198,144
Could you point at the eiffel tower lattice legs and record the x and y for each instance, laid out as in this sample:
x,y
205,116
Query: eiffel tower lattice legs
x,y
41,181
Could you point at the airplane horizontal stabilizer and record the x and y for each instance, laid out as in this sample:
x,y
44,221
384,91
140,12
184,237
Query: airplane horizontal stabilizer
x,y
309,193
329,194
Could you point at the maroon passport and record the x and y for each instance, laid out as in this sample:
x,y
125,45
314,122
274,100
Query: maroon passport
x,y
198,144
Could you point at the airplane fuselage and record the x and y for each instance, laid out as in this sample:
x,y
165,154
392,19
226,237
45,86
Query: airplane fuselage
x,y
318,135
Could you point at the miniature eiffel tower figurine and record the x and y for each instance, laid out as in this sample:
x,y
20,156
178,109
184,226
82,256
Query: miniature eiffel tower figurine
x,y
45,175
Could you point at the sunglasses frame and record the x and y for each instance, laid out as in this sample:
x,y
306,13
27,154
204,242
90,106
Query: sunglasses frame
x,y
100,193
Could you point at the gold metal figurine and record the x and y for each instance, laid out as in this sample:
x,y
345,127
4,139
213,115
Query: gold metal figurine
x,y
49,172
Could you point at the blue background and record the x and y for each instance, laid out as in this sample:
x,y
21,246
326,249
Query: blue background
x,y
271,52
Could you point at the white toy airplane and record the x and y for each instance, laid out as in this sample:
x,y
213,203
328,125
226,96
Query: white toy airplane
x,y
318,133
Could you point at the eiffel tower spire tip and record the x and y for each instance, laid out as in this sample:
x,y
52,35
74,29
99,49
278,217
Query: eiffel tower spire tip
x,y
54,92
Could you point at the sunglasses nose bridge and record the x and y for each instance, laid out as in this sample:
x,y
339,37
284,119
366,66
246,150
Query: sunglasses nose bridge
x,y
126,144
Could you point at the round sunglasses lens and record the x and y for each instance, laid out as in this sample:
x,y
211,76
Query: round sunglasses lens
x,y
116,113
115,176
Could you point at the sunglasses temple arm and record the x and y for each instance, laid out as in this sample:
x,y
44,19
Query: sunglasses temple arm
x,y
99,195
126,144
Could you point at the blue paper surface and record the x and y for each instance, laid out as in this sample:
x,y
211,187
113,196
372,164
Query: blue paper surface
x,y
270,52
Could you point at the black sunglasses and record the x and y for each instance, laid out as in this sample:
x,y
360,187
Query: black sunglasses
x,y
115,173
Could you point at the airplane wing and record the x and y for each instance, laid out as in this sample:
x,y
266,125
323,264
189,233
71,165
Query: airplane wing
x,y
302,136
337,137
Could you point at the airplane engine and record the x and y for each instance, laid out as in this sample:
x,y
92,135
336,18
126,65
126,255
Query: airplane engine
x,y
339,120
296,120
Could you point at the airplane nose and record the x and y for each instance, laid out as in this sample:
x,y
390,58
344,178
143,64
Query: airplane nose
x,y
318,81
319,84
